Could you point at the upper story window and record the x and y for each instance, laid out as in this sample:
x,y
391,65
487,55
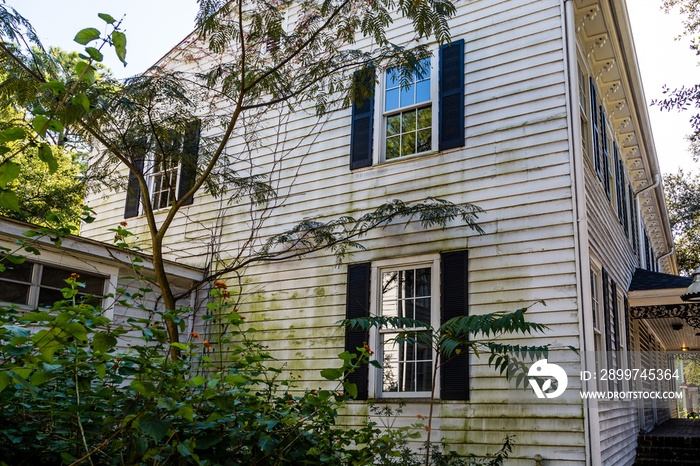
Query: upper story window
x,y
595,129
170,171
39,285
424,115
605,152
408,111
583,105
163,182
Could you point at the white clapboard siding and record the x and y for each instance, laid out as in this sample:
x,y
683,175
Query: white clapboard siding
x,y
515,165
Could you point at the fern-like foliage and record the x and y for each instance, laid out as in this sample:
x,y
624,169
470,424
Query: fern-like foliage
x,y
468,333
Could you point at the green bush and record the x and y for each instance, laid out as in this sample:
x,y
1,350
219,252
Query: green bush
x,y
68,395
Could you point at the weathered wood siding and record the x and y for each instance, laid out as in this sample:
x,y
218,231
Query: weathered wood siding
x,y
515,165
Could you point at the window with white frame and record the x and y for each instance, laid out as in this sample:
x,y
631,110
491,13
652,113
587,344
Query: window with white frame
x,y
39,285
596,311
408,112
407,290
583,106
163,182
621,339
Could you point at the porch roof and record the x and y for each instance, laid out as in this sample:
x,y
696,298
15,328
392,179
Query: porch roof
x,y
648,280
656,298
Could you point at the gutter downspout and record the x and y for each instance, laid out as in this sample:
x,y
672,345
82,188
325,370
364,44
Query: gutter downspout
x,y
673,249
581,241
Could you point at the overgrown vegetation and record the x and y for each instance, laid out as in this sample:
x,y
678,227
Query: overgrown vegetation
x,y
69,395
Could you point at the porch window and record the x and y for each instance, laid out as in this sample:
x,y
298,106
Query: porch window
x,y
39,285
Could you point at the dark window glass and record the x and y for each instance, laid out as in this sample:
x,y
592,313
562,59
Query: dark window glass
x,y
55,277
48,296
17,293
19,272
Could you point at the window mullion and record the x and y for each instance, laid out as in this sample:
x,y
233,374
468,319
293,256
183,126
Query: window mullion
x,y
36,283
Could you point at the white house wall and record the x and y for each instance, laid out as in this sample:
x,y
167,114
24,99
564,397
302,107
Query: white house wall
x,y
515,165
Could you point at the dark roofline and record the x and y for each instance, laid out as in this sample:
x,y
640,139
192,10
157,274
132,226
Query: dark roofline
x,y
648,280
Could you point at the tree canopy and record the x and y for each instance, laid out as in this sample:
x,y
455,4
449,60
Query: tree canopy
x,y
683,203
245,62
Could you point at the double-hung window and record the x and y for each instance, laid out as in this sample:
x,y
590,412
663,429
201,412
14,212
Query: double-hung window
x,y
163,182
169,167
415,114
429,289
409,291
408,112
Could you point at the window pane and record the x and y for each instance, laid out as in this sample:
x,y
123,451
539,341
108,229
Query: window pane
x,y
48,296
408,122
424,352
393,125
425,64
156,183
423,91
422,310
407,309
424,376
55,277
408,144
14,293
408,95
406,284
423,140
392,78
19,272
392,99
389,284
423,282
393,148
407,377
425,117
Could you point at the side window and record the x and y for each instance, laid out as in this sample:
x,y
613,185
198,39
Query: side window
x,y
595,129
597,316
583,106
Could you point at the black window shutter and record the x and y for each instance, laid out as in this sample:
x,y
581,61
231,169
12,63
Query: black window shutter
x,y
358,289
606,154
188,162
623,201
451,106
596,129
454,375
618,182
133,190
362,120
